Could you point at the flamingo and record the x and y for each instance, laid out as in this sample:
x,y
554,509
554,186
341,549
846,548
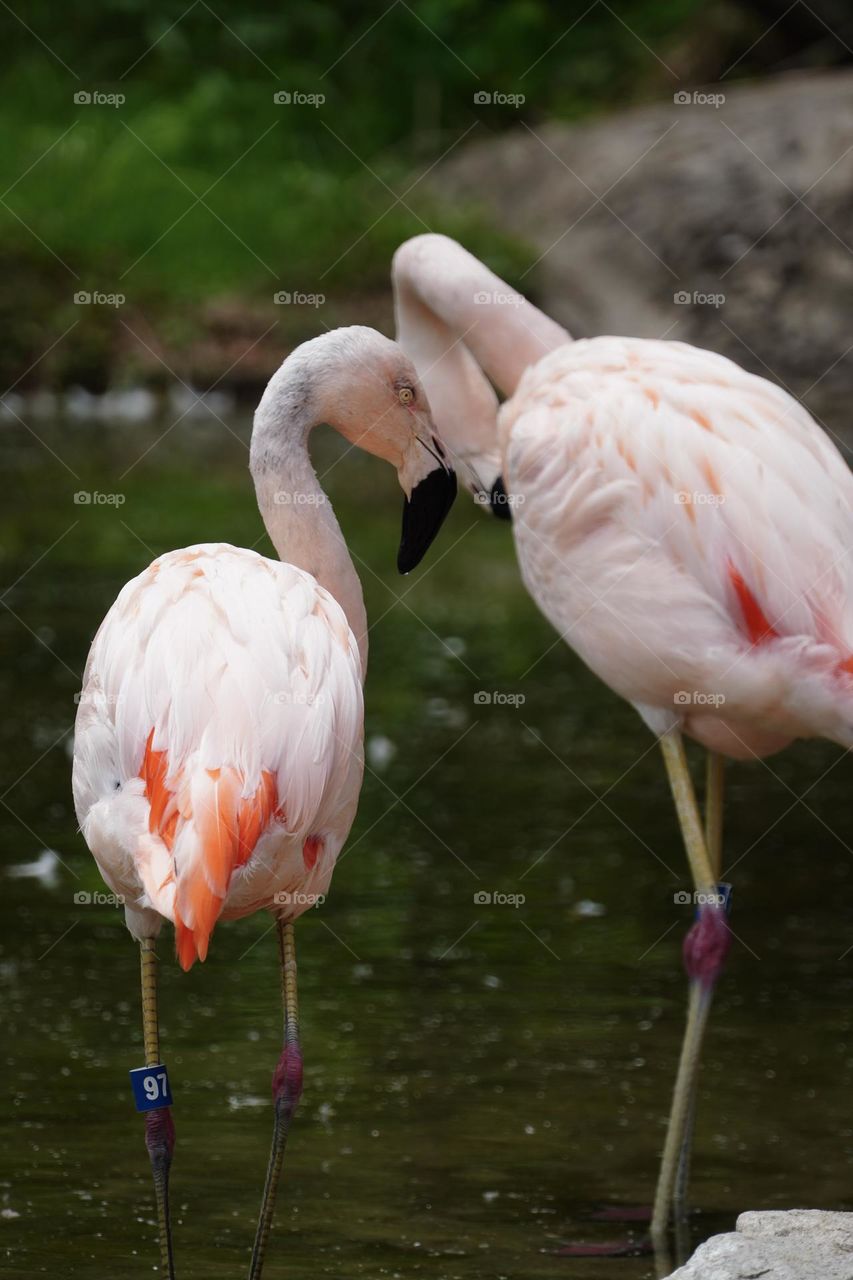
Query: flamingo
x,y
218,748
685,525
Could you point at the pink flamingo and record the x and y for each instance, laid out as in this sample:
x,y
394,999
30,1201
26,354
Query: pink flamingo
x,y
684,525
218,751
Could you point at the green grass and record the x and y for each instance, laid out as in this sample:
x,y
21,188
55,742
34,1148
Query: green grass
x,y
200,187
141,203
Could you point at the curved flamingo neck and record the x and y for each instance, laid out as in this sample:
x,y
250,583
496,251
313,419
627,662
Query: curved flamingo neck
x,y
503,331
297,513
466,331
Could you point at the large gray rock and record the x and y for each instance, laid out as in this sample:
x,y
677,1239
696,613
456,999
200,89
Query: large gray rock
x,y
800,1244
752,199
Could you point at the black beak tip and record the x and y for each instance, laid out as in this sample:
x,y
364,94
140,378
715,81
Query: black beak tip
x,y
499,500
423,515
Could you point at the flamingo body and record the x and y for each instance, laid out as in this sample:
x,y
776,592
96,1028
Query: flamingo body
x,y
218,749
218,755
685,526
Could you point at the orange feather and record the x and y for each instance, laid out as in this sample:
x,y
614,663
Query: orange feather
x,y
228,826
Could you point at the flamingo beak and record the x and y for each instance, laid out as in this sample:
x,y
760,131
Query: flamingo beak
x,y
424,513
499,500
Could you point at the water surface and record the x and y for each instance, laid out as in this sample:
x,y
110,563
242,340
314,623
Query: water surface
x,y
481,1079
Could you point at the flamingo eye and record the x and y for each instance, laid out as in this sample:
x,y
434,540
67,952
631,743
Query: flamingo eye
x,y
406,395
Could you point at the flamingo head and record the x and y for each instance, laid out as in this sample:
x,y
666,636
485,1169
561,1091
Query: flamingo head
x,y
362,384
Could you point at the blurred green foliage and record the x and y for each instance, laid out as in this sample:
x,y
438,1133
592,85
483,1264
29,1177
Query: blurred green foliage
x,y
199,184
199,85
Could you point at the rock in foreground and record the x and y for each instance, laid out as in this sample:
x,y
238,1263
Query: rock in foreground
x,y
799,1244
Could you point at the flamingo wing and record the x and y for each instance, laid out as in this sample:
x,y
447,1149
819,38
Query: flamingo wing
x,y
686,526
218,747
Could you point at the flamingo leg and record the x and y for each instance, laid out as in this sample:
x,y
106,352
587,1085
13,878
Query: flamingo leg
x,y
714,785
159,1128
705,950
286,1088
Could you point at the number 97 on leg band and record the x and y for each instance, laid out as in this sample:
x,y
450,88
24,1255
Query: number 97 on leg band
x,y
151,1088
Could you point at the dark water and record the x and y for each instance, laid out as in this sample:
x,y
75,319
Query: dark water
x,y
480,1079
